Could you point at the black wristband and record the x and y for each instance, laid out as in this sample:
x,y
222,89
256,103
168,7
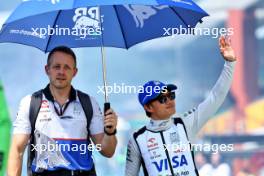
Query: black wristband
x,y
109,134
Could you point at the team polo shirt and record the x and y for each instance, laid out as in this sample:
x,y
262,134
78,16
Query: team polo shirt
x,y
60,132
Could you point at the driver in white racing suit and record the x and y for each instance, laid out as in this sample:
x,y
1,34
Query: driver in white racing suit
x,y
162,147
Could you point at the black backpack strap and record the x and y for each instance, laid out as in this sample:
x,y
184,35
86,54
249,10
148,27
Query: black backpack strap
x,y
88,111
34,108
87,108
179,120
135,136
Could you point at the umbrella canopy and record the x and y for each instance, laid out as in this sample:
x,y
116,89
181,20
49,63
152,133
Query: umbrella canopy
x,y
119,26
34,7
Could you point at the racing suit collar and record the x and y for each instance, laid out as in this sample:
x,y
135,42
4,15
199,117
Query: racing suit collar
x,y
159,125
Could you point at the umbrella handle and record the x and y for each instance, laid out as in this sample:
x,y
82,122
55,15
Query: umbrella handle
x,y
106,107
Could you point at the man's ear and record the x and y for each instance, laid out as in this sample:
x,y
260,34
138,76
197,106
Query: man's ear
x,y
148,108
47,69
75,72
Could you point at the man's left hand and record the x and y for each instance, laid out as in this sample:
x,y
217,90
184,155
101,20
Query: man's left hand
x,y
226,49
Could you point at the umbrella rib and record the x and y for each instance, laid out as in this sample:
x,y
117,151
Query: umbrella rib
x,y
179,16
121,28
55,21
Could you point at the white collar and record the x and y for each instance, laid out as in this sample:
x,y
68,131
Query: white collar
x,y
159,125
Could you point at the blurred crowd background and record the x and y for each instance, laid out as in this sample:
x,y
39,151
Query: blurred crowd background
x,y
191,62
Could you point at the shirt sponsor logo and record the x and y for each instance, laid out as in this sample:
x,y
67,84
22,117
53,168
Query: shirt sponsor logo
x,y
174,137
163,124
155,155
45,120
152,144
76,110
44,113
44,104
176,161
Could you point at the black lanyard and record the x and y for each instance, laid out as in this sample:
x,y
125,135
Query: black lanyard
x,y
61,110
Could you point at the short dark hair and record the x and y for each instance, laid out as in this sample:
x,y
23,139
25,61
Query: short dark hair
x,y
63,49
148,113
148,104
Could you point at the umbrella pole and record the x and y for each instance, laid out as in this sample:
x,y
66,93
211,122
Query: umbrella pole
x,y
103,61
107,103
104,73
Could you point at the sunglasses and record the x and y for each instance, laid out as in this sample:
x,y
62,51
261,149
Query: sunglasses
x,y
164,98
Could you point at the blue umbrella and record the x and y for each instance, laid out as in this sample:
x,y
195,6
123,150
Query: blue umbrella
x,y
34,7
119,26
45,24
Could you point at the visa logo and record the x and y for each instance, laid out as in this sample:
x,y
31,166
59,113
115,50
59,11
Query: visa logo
x,y
177,161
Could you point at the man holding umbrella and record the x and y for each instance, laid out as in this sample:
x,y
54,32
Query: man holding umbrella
x,y
163,146
60,121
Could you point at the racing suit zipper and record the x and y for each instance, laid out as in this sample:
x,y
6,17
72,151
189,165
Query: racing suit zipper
x,y
167,153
